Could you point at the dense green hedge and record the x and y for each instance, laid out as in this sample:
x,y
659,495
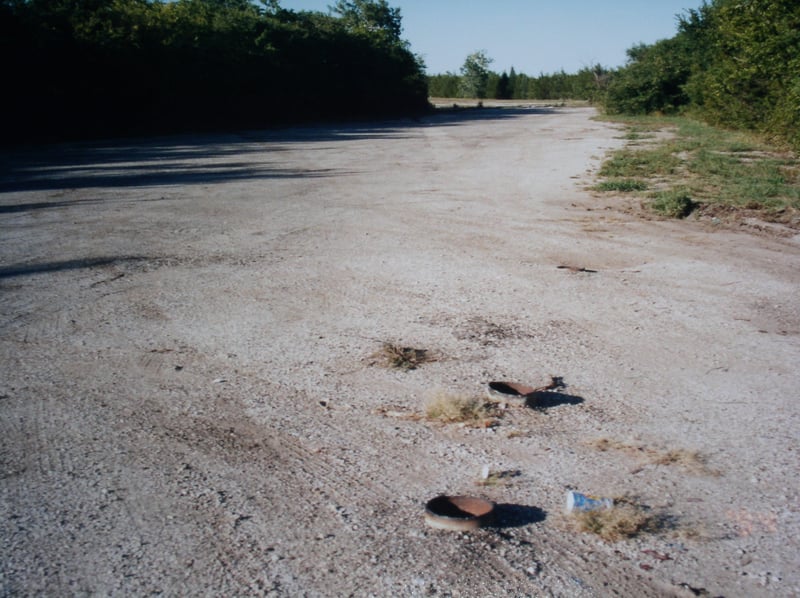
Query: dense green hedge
x,y
734,63
106,67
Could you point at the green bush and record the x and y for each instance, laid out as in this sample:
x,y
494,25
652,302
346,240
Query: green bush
x,y
674,203
652,81
145,66
733,62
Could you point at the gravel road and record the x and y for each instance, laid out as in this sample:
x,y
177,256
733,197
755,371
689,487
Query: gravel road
x,y
193,400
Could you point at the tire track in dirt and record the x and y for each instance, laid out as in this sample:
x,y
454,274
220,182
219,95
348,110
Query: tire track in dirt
x,y
325,477
450,558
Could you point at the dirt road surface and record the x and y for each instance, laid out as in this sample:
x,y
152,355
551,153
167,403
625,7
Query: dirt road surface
x,y
192,402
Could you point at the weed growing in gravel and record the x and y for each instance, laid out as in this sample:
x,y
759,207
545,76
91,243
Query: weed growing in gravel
x,y
499,478
402,358
617,523
452,408
692,461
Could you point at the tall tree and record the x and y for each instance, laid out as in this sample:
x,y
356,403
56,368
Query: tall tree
x,y
512,83
369,16
503,91
475,75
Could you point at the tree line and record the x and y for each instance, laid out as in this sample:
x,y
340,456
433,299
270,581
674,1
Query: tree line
x,y
589,83
734,63
80,68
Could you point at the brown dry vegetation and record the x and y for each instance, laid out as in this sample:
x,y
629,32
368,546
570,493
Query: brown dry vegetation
x,y
455,408
403,358
689,460
617,523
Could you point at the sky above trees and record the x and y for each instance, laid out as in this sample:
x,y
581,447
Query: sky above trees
x,y
533,36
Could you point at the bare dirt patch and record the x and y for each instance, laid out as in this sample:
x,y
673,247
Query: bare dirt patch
x,y
187,406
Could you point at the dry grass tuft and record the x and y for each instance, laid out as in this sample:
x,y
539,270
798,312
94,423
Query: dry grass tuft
x,y
402,358
608,444
618,523
451,408
694,531
692,461
398,412
499,478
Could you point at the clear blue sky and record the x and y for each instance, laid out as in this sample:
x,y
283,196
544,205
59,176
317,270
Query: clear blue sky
x,y
533,36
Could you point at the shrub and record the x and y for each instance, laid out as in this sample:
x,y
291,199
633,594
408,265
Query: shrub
x,y
674,203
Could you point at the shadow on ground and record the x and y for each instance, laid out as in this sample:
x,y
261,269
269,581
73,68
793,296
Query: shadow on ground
x,y
510,515
65,265
547,400
200,159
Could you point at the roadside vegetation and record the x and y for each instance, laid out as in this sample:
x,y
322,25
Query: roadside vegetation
x,y
732,63
83,68
726,89
679,165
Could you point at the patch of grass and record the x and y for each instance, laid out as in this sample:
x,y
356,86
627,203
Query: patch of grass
x,y
453,408
637,133
617,523
638,122
623,185
702,166
658,160
402,358
673,203
741,146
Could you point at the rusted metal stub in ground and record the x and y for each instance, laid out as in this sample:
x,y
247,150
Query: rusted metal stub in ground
x,y
459,513
515,389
